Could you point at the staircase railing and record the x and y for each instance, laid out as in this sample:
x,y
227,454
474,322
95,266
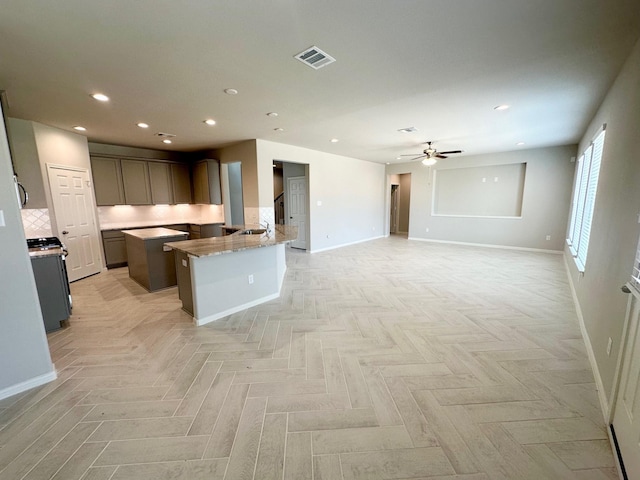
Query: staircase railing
x,y
278,208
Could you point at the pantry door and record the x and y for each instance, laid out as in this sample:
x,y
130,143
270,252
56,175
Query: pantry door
x,y
75,219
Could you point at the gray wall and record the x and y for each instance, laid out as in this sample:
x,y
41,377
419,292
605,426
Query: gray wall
x,y
615,229
545,206
24,353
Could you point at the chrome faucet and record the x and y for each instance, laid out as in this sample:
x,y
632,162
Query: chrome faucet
x,y
267,228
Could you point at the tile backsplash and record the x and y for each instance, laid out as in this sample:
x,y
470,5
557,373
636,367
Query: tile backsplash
x,y
126,216
36,222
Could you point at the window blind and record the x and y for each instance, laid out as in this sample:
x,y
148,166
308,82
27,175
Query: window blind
x,y
584,195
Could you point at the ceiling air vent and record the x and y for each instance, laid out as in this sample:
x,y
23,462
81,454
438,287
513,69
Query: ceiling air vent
x,y
315,58
165,135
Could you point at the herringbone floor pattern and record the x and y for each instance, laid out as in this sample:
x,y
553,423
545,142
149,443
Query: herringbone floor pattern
x,y
390,359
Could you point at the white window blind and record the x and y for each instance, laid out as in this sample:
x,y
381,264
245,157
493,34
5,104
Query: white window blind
x,y
635,275
584,196
572,224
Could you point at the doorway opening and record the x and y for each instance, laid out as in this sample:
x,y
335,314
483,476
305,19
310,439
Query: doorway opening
x,y
400,204
291,199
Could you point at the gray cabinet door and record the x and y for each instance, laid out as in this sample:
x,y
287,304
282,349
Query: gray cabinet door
x,y
107,181
161,185
200,183
206,182
115,249
215,194
181,180
135,178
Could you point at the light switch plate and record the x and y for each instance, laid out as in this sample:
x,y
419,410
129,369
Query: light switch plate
x,y
2,224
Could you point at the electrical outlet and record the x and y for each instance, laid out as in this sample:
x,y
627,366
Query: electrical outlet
x,y
427,229
2,223
609,343
548,237
250,279
184,262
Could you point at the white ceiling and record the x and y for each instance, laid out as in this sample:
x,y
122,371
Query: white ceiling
x,y
437,65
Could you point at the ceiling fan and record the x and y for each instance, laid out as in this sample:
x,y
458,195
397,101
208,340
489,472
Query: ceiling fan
x,y
430,155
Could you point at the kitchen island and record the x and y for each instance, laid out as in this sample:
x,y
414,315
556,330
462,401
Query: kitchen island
x,y
149,264
223,275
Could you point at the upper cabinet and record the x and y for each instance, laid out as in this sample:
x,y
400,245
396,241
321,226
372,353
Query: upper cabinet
x,y
181,182
140,182
107,181
206,182
160,179
135,177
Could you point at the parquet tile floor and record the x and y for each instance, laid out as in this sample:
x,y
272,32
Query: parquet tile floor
x,y
391,359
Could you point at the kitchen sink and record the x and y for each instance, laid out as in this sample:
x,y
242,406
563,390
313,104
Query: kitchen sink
x,y
253,231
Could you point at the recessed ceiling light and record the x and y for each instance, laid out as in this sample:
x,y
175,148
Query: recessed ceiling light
x,y
388,163
279,129
519,144
166,140
210,121
502,107
143,125
79,128
101,97
334,140
230,91
398,158
272,114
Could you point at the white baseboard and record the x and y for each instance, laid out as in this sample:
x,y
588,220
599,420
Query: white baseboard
x,y
347,244
602,396
211,318
28,384
488,245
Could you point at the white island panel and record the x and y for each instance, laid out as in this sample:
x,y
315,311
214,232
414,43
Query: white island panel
x,y
221,285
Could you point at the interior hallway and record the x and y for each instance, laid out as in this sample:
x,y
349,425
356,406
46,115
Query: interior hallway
x,y
388,359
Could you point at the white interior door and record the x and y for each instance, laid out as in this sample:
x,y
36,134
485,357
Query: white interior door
x,y
297,202
75,219
626,419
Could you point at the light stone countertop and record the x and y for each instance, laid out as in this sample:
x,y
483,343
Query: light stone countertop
x,y
46,253
205,247
152,233
136,225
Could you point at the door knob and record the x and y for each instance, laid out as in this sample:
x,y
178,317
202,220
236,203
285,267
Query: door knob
x,y
64,232
291,218
625,289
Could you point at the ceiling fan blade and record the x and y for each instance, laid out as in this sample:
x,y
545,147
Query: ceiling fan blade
x,y
410,154
450,152
439,155
417,158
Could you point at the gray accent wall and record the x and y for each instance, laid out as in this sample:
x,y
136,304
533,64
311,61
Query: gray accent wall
x,y
24,353
545,200
615,228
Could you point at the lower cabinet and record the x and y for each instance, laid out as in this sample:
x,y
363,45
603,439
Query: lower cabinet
x,y
115,249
